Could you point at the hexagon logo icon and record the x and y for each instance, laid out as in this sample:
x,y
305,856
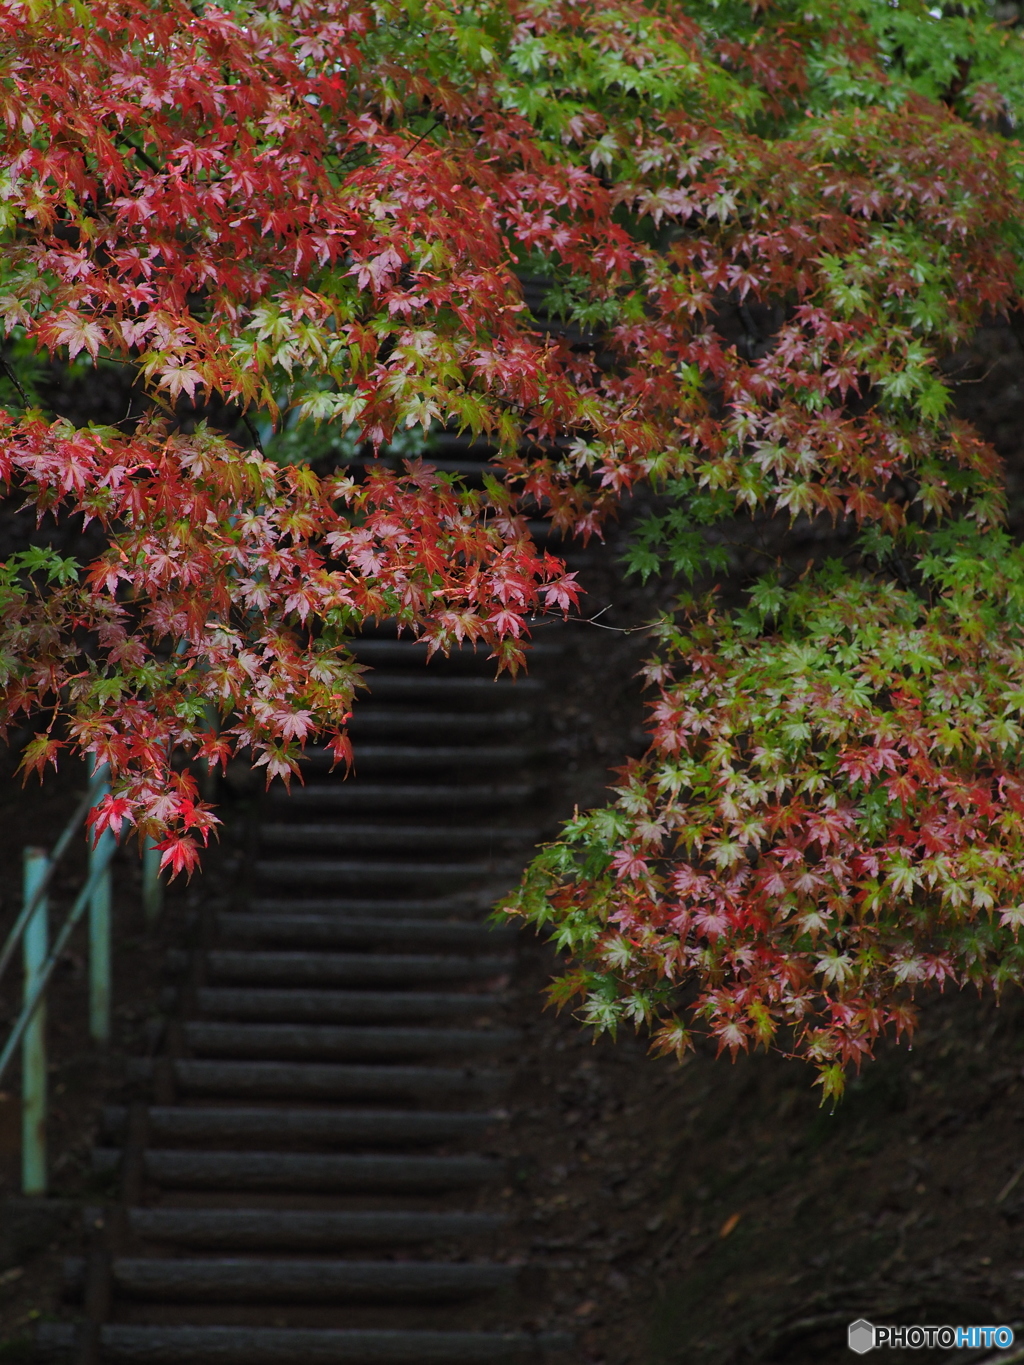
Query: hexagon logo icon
x,y
861,1336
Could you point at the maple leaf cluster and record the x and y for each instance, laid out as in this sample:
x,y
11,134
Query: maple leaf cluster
x,y
831,812
758,231
232,205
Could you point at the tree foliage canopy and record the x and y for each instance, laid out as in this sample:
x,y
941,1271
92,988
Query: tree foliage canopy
x,y
764,225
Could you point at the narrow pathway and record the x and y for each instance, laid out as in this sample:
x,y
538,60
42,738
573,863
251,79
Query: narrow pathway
x,y
304,1173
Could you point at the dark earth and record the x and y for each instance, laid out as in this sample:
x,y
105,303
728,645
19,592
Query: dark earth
x,y
709,1214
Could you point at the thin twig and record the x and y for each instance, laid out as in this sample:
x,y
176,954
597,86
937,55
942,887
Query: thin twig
x,y
14,380
436,124
619,630
146,160
1010,1184
253,433
593,621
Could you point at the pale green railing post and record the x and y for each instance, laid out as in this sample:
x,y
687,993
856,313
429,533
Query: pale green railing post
x,y
99,933
152,887
33,1042
208,780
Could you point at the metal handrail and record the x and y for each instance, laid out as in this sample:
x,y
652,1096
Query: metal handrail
x,y
59,849
60,943
31,930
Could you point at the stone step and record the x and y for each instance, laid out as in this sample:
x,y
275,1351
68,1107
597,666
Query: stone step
x,y
349,969
365,1174
330,1042
297,1006
126,1344
243,1280
352,872
433,797
167,1125
311,1024
387,721
422,687
465,905
305,1230
323,1081
545,530
403,839
412,654
333,931
380,758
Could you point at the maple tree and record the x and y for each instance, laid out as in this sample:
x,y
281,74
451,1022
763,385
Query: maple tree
x,y
765,225
829,814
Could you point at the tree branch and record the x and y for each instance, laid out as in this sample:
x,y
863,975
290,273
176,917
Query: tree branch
x,y
14,380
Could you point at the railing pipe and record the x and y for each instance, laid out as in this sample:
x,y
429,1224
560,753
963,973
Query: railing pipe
x,y
70,829
33,1044
152,887
100,853
60,943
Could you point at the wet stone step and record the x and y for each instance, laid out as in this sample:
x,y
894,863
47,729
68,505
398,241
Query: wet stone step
x,y
489,692
355,969
274,1041
380,721
289,1127
340,1006
402,796
302,1230
412,757
401,838
465,905
233,1280
342,872
350,931
414,654
124,1344
323,1081
307,1171
334,1026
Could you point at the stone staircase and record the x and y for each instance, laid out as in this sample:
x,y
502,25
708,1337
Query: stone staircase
x,y
305,1170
